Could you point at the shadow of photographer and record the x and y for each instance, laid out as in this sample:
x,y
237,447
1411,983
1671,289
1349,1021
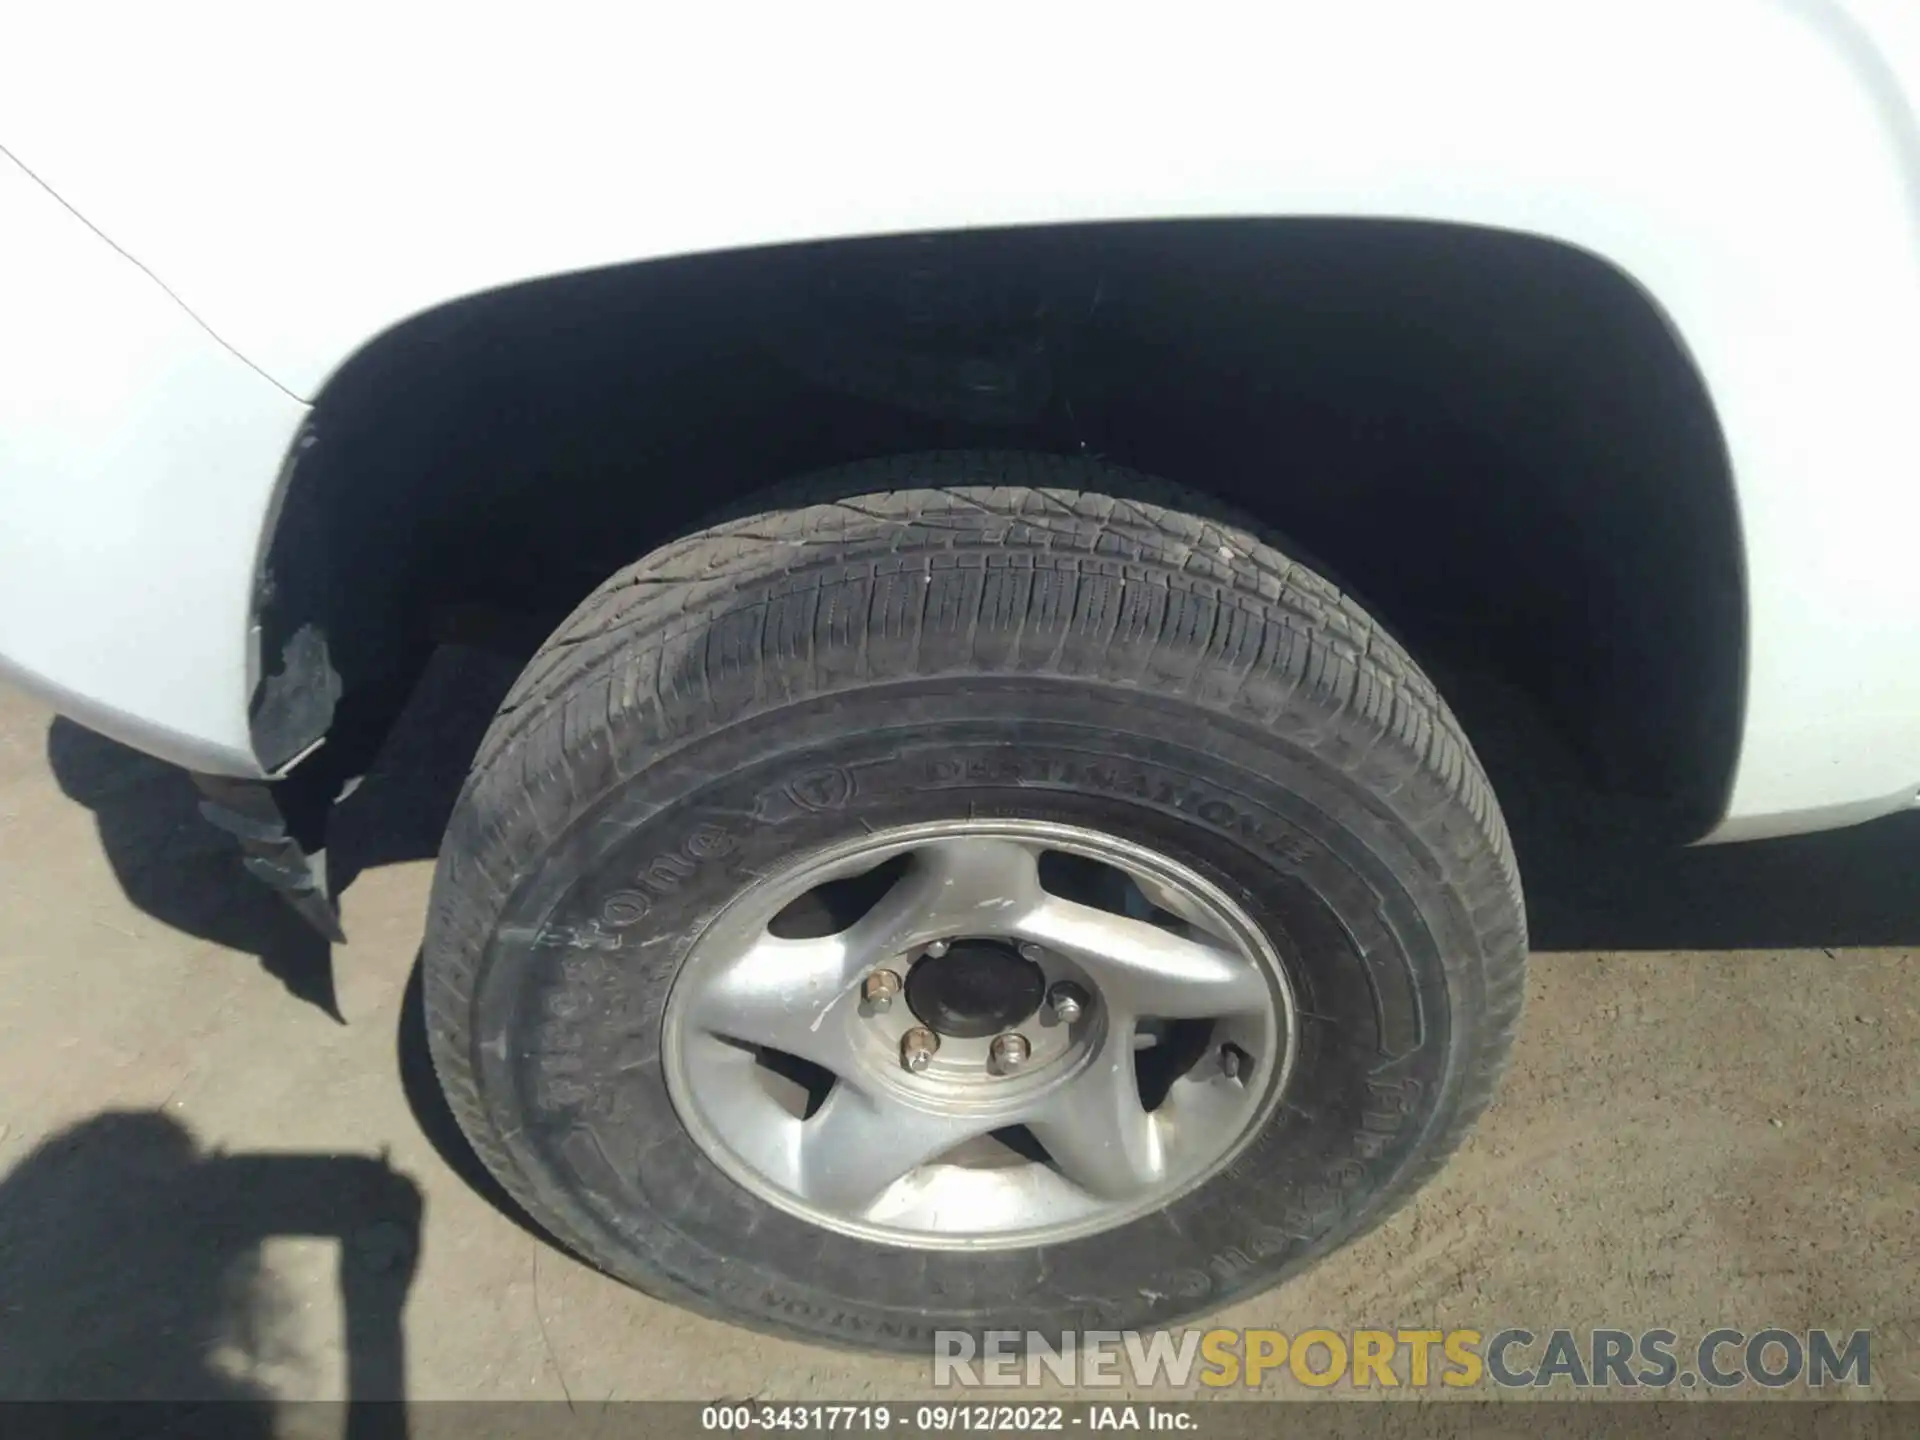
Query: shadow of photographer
x,y
132,1269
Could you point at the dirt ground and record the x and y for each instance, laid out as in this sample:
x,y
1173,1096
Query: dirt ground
x,y
222,1151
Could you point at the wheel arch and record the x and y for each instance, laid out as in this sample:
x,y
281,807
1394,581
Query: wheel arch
x,y
1525,408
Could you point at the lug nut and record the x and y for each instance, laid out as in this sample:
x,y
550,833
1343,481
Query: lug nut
x,y
1032,952
879,988
1068,1001
917,1047
1235,1063
1009,1052
936,948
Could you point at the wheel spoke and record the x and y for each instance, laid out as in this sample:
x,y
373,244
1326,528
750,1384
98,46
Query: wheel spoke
x,y
860,1143
783,994
1144,970
1097,1131
734,1102
1200,1104
954,887
1175,901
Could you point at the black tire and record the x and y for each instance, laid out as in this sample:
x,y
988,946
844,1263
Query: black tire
x,y
913,639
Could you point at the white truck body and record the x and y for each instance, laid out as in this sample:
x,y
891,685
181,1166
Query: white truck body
x,y
209,209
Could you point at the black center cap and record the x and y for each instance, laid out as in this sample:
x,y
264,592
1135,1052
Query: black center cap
x,y
978,988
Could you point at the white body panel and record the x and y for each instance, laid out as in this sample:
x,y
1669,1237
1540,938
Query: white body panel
x,y
137,462
1754,164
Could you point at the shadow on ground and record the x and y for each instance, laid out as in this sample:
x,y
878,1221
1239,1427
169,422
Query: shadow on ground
x,y
131,1270
177,868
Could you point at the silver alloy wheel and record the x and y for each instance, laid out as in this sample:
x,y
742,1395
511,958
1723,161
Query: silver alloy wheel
x,y
911,1156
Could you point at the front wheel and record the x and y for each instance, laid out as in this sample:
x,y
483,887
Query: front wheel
x,y
970,892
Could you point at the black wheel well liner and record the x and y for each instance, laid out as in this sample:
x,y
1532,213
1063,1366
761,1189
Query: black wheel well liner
x,y
1497,440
